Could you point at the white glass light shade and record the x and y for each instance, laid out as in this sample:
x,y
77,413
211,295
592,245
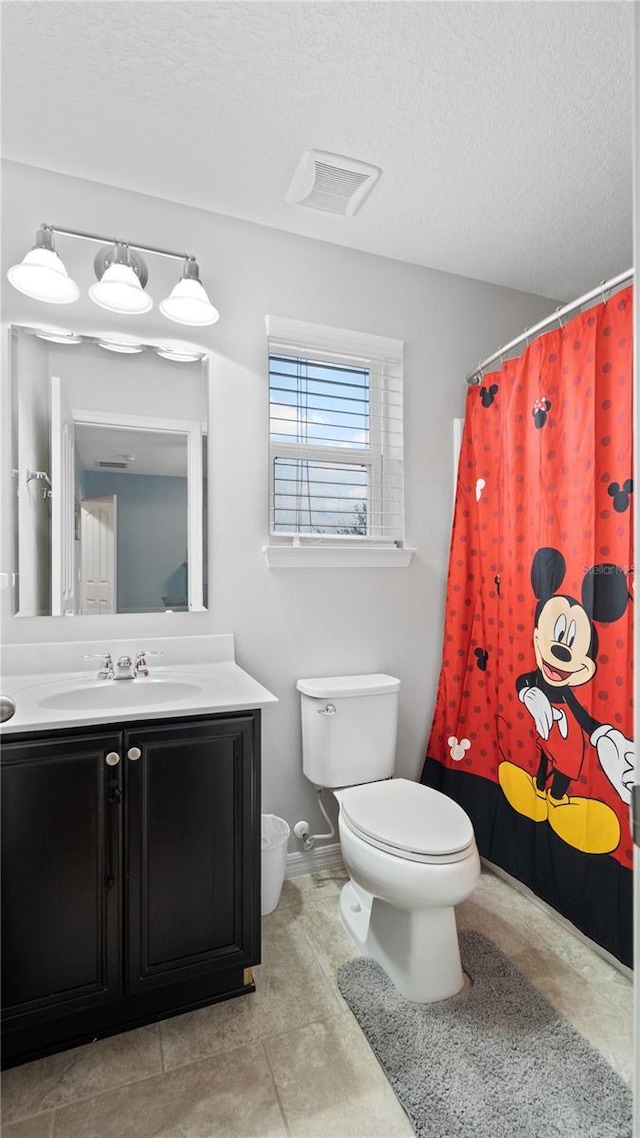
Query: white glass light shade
x,y
119,290
188,303
42,276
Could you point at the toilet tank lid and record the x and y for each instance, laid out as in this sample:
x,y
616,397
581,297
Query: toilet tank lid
x,y
332,687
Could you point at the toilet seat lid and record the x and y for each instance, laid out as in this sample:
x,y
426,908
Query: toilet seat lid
x,y
408,819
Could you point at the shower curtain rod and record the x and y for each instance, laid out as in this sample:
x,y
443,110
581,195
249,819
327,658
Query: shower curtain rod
x,y
475,376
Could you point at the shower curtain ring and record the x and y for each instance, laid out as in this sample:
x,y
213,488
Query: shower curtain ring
x,y
558,315
526,336
603,291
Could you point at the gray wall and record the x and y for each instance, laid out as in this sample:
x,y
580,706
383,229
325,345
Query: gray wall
x,y
288,623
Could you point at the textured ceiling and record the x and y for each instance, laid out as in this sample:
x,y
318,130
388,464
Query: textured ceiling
x,y
503,130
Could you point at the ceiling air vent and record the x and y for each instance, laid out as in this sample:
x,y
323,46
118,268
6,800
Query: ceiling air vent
x,y
105,464
331,182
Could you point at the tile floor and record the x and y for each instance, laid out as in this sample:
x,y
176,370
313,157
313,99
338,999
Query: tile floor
x,y
289,1061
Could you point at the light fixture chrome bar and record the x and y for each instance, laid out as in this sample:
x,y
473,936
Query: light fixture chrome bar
x,y
475,376
116,241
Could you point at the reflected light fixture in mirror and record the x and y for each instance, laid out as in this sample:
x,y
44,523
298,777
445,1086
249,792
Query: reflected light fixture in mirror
x,y
122,276
41,273
58,336
179,354
124,344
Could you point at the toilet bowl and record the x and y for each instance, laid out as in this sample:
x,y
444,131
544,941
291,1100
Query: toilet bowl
x,y
411,857
409,850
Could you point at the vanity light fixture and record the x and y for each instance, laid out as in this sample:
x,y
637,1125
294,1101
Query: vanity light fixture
x,y
122,276
41,273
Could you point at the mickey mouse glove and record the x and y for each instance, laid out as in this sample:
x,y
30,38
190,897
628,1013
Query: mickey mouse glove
x,y
617,757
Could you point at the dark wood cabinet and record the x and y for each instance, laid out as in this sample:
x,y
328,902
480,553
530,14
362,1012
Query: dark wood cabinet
x,y
60,888
190,891
131,876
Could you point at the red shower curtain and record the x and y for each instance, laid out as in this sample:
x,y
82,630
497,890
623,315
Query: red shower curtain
x,y
533,720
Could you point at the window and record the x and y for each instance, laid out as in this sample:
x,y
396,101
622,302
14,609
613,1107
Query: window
x,y
336,463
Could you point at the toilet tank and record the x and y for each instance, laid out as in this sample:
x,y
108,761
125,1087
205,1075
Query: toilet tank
x,y
349,727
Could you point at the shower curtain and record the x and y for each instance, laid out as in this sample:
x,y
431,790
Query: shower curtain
x,y
532,726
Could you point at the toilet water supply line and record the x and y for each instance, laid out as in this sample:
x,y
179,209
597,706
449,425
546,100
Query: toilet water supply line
x,y
301,829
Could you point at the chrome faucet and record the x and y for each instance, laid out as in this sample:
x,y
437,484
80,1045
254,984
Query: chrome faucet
x,y
125,668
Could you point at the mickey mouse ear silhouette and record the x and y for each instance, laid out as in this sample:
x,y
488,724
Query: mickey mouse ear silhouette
x,y
452,741
614,489
628,486
493,390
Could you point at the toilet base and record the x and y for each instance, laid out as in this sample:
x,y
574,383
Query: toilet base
x,y
418,949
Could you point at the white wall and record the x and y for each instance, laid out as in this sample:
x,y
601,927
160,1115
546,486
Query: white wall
x,y
288,623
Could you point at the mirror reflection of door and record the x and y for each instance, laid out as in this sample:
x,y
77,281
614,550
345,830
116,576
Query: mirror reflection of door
x,y
98,555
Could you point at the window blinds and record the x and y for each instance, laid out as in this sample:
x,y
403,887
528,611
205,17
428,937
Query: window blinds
x,y
335,434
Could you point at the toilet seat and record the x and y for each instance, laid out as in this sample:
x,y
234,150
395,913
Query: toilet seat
x,y
408,820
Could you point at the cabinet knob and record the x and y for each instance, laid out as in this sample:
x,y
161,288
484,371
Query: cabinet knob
x,y
112,759
134,753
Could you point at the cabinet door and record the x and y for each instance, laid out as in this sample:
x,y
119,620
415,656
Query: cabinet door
x,y
60,876
192,853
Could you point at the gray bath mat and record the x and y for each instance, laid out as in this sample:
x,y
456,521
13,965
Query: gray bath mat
x,y
495,1062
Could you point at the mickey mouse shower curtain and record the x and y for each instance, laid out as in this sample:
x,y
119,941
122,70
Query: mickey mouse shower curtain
x,y
532,731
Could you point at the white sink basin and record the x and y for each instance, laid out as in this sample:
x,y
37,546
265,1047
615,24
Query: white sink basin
x,y
121,693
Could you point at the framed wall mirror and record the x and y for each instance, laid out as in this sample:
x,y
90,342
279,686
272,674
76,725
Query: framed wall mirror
x,y
109,475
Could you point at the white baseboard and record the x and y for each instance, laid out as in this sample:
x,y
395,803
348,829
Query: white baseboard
x,y
520,887
314,861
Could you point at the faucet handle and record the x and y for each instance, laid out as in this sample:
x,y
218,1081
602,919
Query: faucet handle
x,y
106,670
140,666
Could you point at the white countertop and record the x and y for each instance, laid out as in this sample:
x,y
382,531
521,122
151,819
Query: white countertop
x,y
171,690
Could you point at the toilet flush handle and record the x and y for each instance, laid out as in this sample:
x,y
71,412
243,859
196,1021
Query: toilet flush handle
x,y
330,709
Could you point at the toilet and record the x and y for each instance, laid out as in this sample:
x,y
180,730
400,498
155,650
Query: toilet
x,y
410,851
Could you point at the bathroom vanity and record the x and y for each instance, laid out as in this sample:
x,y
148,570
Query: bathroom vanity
x,y
130,849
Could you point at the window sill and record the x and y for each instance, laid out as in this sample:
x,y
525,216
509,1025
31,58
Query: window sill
x,y
336,557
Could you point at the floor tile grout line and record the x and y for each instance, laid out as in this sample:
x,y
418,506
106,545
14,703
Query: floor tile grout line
x,y
277,1092
259,1040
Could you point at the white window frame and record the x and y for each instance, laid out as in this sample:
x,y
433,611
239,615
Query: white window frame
x,y
300,339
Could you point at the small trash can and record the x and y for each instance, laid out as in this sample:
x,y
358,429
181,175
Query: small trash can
x,y
275,835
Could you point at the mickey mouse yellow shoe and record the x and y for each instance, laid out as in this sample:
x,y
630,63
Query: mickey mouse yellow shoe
x,y
521,792
584,823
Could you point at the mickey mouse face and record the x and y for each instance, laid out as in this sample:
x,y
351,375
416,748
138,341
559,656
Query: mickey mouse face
x,y
541,408
561,641
621,496
488,394
481,658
